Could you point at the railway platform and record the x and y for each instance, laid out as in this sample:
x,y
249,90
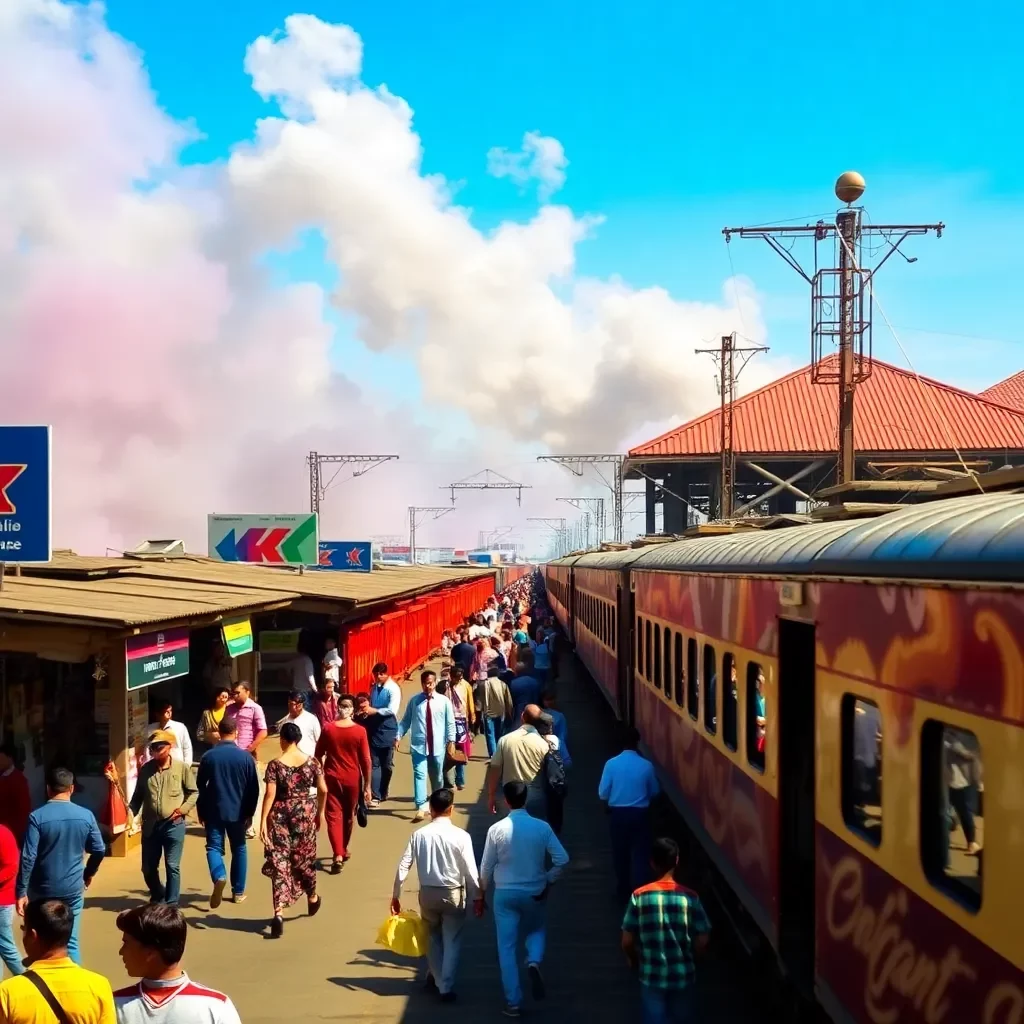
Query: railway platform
x,y
329,969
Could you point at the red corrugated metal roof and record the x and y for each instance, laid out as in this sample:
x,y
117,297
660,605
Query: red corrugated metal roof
x,y
895,412
1007,392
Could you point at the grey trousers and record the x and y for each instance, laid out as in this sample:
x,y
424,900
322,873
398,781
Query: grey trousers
x,y
444,910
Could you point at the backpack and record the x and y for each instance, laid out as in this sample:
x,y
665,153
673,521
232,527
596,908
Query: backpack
x,y
554,775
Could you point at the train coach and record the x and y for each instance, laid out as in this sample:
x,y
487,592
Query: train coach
x,y
837,710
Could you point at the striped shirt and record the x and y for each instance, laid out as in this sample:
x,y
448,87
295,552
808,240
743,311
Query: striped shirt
x,y
187,1003
666,918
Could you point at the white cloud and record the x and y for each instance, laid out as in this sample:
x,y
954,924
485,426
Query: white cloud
x,y
135,316
541,159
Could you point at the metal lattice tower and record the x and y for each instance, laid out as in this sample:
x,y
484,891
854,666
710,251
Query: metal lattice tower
x,y
591,508
575,464
841,294
557,526
487,480
435,512
317,489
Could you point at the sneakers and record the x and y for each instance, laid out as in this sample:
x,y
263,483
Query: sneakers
x,y
217,896
238,897
536,981
511,1011
373,805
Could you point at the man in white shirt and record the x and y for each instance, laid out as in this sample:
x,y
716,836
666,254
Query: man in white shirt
x,y
182,749
628,783
308,723
515,857
491,613
478,629
446,867
332,661
303,678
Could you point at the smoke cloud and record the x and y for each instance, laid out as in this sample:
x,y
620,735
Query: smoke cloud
x,y
137,318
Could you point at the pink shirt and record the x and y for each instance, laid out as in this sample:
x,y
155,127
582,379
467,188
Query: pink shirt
x,y
481,664
249,720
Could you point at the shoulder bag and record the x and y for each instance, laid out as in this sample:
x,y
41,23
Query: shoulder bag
x,y
51,999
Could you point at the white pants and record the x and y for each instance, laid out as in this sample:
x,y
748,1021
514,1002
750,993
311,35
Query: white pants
x,y
444,910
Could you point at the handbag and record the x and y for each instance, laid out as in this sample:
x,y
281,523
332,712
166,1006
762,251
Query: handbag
x,y
453,757
361,814
51,1000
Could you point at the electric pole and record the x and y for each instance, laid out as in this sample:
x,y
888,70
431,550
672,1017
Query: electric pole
x,y
841,295
488,480
575,464
557,526
725,358
589,507
317,489
414,511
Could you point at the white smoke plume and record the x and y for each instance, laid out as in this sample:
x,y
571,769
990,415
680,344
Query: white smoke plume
x,y
542,158
135,316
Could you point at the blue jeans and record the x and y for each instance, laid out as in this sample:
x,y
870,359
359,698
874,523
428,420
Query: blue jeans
x,y
8,950
422,764
494,729
76,903
631,847
234,832
668,1005
166,842
513,910
382,767
455,776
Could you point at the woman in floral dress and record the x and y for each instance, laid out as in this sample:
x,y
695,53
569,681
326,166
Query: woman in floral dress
x,y
290,821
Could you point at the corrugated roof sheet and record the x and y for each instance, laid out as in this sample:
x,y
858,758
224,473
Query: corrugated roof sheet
x,y
342,587
895,412
123,601
978,537
1007,392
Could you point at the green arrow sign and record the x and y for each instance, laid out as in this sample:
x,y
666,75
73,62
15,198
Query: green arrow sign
x,y
300,546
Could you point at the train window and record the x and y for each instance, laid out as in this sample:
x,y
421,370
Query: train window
x,y
861,725
693,688
730,700
647,650
952,811
639,645
615,628
710,691
667,678
657,656
677,664
757,715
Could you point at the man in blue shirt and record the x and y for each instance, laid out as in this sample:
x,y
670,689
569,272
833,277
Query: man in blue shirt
x,y
59,834
559,728
515,856
229,789
541,656
628,783
430,721
463,653
524,686
380,719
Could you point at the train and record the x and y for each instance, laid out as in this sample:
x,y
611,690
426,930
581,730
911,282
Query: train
x,y
836,709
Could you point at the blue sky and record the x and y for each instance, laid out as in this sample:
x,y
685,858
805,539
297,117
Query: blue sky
x,y
678,119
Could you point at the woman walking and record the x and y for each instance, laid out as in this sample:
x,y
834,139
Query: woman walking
x,y
460,693
344,749
289,824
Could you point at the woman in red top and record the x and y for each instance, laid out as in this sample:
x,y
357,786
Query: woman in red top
x,y
8,873
345,752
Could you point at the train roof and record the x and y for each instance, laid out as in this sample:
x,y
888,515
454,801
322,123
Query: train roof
x,y
978,537
618,559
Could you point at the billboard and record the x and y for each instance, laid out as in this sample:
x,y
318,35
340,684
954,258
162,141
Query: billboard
x,y
346,555
268,539
25,494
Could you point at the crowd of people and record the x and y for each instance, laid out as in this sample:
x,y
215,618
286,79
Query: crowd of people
x,y
335,766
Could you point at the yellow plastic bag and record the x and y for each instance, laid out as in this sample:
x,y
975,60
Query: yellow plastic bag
x,y
406,934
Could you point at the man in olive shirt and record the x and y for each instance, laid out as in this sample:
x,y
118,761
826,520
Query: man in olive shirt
x,y
165,793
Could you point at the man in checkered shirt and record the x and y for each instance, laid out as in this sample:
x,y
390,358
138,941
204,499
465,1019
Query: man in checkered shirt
x,y
665,927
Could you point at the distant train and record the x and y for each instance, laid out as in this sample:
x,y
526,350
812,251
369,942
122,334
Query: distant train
x,y
837,710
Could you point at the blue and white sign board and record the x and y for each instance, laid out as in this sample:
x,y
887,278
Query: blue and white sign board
x,y
25,532
346,555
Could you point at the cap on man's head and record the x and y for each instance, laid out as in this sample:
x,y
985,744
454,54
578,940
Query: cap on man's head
x,y
158,736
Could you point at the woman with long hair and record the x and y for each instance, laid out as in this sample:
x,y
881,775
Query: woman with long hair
x,y
208,730
460,693
290,821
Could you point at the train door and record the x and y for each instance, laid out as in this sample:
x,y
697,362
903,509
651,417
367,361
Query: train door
x,y
796,755
624,611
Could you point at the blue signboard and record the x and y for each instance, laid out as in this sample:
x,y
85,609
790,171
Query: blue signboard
x,y
346,555
24,494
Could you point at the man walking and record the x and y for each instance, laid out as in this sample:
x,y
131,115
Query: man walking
x,y
495,710
430,721
665,927
628,783
152,946
182,749
164,793
464,652
308,724
57,836
524,687
325,703
515,857
229,790
248,716
382,713
53,973
446,868
519,757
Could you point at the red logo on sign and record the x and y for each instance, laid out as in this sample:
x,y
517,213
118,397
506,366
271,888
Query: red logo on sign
x,y
8,474
355,556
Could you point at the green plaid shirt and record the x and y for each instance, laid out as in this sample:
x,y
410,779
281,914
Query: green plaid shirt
x,y
666,918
